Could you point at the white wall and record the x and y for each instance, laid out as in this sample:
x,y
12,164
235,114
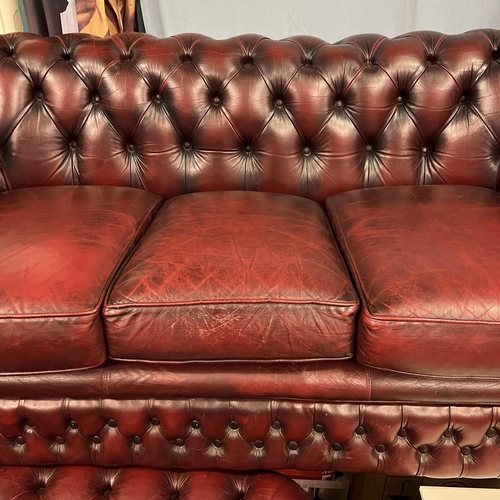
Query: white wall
x,y
331,20
10,20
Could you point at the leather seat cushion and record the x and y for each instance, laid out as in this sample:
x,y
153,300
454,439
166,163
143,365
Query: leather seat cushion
x,y
59,249
232,276
119,483
425,261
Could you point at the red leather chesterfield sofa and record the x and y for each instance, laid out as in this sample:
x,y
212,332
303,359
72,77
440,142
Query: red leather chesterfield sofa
x,y
250,254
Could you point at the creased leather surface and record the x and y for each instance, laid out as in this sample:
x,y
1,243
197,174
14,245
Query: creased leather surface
x,y
59,249
394,439
300,116
423,258
89,483
233,275
341,381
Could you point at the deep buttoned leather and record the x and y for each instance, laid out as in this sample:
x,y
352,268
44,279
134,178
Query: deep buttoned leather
x,y
87,483
299,116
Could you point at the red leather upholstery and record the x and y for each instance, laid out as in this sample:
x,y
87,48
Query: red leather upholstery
x,y
59,249
340,381
395,439
423,259
234,275
300,116
88,483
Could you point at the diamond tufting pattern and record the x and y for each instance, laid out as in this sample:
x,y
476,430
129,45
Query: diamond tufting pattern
x,y
439,441
86,483
189,113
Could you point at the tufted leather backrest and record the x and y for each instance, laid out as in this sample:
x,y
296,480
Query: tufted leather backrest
x,y
298,116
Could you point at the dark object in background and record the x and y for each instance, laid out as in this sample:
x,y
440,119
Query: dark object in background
x,y
44,17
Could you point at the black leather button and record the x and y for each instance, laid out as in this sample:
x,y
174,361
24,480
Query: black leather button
x,y
185,58
73,424
66,56
448,433
463,99
39,95
112,423
380,448
247,61
126,57
217,443
96,439
399,99
337,447
279,103
107,491
195,424
339,104
258,444
466,450
175,496
30,423
319,428
130,148
20,440
307,150
96,99
234,425
423,449
369,148
360,430
216,100
187,145
248,149
402,432
432,58
137,440
495,54
179,442
158,98
60,440
491,432
293,445
425,150
155,421
276,425
73,145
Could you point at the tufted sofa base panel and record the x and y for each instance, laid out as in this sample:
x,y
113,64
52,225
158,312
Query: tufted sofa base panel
x,y
87,483
437,441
